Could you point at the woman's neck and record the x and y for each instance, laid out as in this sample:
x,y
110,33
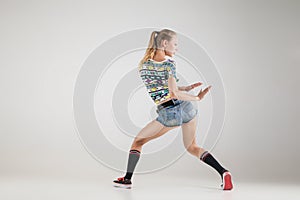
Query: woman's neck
x,y
159,55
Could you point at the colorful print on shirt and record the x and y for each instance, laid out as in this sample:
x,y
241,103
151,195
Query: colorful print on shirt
x,y
155,77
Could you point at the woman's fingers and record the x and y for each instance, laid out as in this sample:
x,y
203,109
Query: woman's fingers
x,y
190,87
201,94
196,84
207,89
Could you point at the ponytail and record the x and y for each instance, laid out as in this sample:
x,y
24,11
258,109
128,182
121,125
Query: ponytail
x,y
154,42
150,51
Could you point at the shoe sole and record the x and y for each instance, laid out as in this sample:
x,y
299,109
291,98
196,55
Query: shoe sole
x,y
227,184
118,185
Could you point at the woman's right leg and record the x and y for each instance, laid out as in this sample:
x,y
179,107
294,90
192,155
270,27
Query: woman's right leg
x,y
189,140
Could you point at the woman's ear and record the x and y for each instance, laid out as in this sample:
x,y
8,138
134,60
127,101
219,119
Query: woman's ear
x,y
165,43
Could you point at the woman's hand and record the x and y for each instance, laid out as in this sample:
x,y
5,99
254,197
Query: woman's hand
x,y
190,87
201,94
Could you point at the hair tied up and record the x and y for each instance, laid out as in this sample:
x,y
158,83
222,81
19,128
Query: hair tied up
x,y
155,40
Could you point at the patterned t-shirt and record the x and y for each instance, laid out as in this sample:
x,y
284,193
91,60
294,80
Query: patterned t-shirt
x,y
155,77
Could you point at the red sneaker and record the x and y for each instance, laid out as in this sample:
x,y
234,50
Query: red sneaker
x,y
123,183
227,184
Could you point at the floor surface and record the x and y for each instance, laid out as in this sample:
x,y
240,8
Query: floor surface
x,y
143,188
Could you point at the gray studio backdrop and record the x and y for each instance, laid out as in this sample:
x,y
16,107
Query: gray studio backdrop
x,y
255,46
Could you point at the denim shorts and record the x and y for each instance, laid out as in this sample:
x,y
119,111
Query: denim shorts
x,y
176,115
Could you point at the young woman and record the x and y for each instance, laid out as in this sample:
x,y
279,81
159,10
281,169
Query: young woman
x,y
158,72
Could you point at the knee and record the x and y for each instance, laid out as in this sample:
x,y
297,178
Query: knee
x,y
138,142
194,149
191,149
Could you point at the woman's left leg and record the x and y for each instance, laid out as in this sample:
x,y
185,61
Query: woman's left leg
x,y
152,130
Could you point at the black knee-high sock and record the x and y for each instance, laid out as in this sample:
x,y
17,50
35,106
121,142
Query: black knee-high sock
x,y
133,158
211,161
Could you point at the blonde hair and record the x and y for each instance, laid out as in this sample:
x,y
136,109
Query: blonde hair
x,y
155,43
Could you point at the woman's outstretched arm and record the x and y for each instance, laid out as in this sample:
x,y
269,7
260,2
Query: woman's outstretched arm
x,y
189,87
176,93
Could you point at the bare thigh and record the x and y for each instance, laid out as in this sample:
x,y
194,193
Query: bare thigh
x,y
152,130
189,133
189,137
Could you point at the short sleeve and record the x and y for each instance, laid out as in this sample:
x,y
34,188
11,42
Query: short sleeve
x,y
171,70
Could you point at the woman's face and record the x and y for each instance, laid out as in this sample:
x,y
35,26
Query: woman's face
x,y
171,46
